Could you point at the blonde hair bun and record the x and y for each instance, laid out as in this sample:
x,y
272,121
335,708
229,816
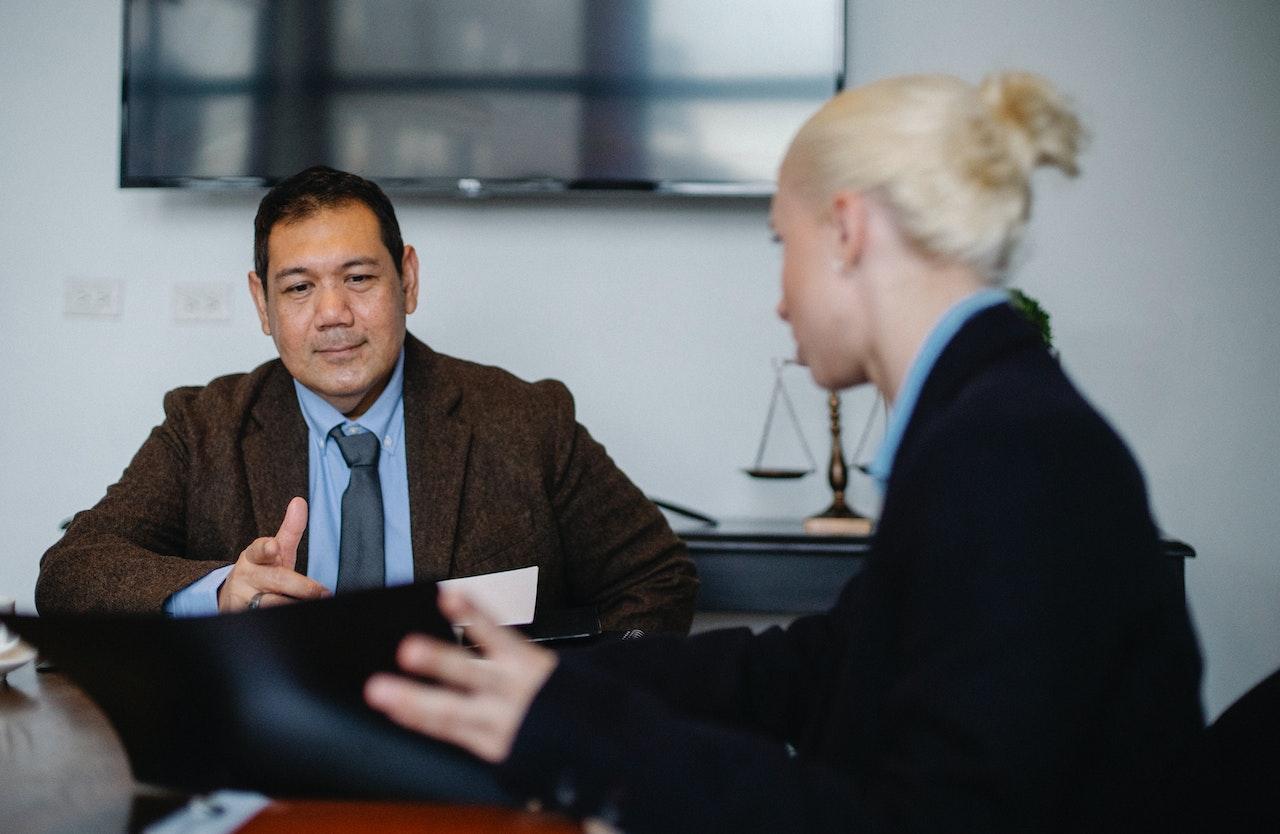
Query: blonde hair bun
x,y
953,160
1043,125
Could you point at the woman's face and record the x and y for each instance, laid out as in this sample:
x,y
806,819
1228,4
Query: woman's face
x,y
822,300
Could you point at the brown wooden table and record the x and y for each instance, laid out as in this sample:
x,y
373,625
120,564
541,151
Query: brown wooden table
x,y
62,769
61,766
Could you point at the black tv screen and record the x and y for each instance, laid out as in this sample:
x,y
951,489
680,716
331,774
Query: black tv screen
x,y
475,96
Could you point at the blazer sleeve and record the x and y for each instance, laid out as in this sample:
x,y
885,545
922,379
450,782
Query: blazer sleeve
x,y
665,734
124,555
595,746
620,554
767,683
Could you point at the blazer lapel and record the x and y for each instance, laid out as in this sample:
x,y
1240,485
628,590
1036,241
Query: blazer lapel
x,y
436,447
275,456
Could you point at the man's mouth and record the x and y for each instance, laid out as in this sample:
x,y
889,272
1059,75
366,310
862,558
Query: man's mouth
x,y
339,351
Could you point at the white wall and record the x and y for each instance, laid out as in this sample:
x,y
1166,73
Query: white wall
x,y
1159,267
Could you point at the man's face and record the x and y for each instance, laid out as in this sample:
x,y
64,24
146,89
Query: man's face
x,y
335,305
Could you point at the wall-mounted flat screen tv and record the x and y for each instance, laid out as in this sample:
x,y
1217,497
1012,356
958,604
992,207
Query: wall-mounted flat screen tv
x,y
475,96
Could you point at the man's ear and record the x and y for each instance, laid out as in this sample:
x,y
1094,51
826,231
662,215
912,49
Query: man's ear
x,y
409,278
849,213
259,301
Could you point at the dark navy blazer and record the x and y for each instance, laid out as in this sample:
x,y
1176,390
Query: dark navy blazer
x,y
1015,656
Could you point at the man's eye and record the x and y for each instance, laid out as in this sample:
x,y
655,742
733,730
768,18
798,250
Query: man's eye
x,y
359,279
296,289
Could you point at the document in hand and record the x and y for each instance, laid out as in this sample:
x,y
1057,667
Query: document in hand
x,y
268,700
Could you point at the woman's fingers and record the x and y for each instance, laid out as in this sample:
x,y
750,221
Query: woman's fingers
x,y
443,714
448,664
473,702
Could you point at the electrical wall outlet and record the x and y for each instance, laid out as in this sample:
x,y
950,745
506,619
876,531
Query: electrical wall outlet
x,y
201,301
91,297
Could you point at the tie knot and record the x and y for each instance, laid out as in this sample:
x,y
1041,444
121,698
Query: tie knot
x,y
360,449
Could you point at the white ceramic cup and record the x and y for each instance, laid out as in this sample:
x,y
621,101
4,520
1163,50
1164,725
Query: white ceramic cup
x,y
7,638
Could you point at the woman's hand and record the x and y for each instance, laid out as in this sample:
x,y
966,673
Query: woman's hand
x,y
477,703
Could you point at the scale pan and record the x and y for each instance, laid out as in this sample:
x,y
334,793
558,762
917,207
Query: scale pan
x,y
777,474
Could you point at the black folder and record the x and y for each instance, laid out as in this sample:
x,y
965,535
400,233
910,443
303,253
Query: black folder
x,y
268,700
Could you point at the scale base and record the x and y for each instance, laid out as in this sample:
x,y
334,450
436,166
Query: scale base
x,y
838,520
819,525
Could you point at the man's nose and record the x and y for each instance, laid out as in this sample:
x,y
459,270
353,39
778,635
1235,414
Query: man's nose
x,y
332,307
782,308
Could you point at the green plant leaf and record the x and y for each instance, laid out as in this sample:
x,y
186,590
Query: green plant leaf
x,y
1034,313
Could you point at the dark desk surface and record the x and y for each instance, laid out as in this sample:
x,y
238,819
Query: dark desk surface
x,y
62,769
762,565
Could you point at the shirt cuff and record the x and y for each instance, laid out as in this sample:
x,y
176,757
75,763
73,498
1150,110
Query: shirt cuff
x,y
200,598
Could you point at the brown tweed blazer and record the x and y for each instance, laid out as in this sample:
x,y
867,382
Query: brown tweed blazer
x,y
500,476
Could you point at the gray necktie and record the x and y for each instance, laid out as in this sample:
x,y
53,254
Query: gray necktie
x,y
360,559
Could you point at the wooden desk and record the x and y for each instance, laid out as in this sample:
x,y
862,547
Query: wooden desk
x,y
62,769
773,566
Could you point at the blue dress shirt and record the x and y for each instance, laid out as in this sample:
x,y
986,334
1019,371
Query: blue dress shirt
x,y
329,475
937,340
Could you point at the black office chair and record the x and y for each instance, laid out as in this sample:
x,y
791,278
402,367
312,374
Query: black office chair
x,y
1231,779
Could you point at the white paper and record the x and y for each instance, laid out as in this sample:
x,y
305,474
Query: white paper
x,y
508,596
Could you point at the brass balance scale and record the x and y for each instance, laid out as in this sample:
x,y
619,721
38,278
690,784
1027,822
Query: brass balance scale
x,y
839,519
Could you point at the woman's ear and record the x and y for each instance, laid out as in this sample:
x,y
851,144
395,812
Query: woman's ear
x,y
849,213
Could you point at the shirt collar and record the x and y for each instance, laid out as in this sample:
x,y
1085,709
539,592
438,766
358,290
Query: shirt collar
x,y
380,419
912,384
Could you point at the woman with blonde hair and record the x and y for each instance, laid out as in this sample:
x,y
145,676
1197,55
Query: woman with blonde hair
x,y
1016,654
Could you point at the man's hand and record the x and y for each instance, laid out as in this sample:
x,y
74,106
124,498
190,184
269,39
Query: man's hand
x,y
475,703
266,567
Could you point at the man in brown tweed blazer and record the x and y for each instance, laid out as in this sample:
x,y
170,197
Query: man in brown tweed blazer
x,y
497,471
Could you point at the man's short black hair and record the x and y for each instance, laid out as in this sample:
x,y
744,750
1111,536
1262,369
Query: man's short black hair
x,y
309,191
